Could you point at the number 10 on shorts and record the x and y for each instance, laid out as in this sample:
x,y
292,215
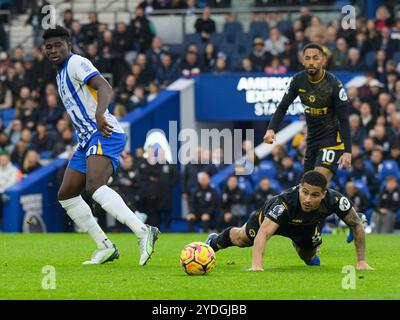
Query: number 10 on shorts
x,y
328,155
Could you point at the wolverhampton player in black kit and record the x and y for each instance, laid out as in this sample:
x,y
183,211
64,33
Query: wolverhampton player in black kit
x,y
297,214
326,108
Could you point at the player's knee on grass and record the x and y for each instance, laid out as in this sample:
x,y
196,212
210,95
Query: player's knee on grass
x,y
306,255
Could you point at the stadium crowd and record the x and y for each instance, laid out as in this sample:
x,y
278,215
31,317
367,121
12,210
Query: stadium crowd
x,y
138,64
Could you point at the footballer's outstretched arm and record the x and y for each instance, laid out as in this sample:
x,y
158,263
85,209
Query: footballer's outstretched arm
x,y
354,222
104,93
266,231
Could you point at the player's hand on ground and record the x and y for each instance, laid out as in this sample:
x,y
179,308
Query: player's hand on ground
x,y
255,269
362,265
269,137
345,161
104,127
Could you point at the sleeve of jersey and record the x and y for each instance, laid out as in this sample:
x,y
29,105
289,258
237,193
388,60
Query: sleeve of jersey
x,y
342,205
83,70
342,105
287,100
277,212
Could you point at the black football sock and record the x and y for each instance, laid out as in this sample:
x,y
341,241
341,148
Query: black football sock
x,y
222,241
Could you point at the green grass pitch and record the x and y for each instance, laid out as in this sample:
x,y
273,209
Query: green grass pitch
x,y
23,256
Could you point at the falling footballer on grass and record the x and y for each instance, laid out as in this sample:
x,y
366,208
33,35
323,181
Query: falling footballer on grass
x,y
197,258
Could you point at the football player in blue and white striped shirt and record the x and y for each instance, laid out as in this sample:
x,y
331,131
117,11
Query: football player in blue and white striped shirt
x,y
86,96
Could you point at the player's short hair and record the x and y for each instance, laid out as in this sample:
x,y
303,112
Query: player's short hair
x,y
57,32
314,178
313,45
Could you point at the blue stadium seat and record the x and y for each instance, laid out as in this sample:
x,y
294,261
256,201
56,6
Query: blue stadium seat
x,y
176,50
241,44
396,57
284,26
216,39
235,61
298,166
267,168
45,155
389,168
7,116
342,176
276,185
364,189
258,29
192,38
231,30
245,185
370,58
368,165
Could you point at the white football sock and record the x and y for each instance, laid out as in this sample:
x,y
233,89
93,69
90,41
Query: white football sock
x,y
80,212
113,204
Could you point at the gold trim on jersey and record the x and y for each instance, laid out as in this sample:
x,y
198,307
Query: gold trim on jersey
x,y
338,147
319,80
302,90
260,214
93,92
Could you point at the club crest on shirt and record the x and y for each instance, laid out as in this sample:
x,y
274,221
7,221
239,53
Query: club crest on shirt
x,y
342,95
277,211
85,67
344,204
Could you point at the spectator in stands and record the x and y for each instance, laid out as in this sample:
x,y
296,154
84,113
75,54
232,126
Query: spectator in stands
x,y
14,131
384,217
340,54
51,112
316,27
357,133
64,144
275,44
91,30
259,57
305,17
92,53
19,153
362,173
153,91
122,39
367,118
289,57
8,177
204,25
31,162
247,66
395,152
168,177
5,144
37,14
357,197
68,18
138,98
190,66
166,73
233,207
383,18
286,174
141,30
154,54
354,63
394,132
190,172
150,173
210,57
263,193
277,154
380,138
42,140
221,65
386,43
147,73
78,38
43,70
376,159
6,97
202,204
217,159
275,67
